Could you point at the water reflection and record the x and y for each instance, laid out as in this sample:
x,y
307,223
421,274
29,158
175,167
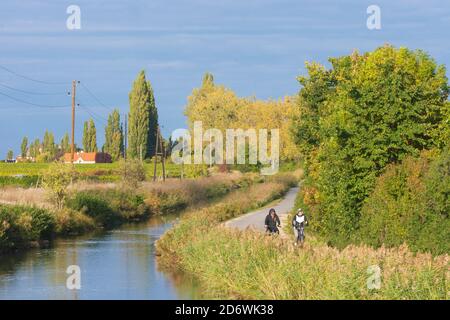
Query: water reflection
x,y
117,264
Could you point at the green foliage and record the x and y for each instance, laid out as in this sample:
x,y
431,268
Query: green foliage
x,y
71,222
95,206
10,155
48,146
24,147
143,119
114,136
89,136
410,203
364,113
21,224
56,180
132,172
109,207
65,144
19,181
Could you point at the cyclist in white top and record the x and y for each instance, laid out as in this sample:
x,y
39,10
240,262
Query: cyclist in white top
x,y
299,223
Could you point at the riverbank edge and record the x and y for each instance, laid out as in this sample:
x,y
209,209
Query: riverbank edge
x,y
29,226
232,264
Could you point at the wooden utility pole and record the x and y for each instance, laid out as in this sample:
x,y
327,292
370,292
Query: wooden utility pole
x,y
72,147
159,151
125,137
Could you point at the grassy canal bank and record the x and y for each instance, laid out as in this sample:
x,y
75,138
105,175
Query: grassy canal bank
x,y
28,219
250,265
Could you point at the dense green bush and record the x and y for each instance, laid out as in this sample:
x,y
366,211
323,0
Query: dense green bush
x,y
367,111
109,207
95,206
19,225
410,204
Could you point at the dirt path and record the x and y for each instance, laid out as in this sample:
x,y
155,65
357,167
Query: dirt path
x,y
255,219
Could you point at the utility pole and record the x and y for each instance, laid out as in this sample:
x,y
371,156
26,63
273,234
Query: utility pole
x,y
159,146
72,147
125,136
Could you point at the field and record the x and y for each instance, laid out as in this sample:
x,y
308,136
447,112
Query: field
x,y
27,174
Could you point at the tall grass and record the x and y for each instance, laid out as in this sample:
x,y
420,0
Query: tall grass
x,y
250,265
91,206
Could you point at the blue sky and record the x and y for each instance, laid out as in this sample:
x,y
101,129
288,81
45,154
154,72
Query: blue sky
x,y
255,47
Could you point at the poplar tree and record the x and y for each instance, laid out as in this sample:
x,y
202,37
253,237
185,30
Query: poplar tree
x,y
143,119
49,144
24,147
89,136
92,136
114,136
86,138
65,144
10,155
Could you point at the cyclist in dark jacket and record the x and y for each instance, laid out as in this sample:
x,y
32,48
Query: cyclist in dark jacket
x,y
272,222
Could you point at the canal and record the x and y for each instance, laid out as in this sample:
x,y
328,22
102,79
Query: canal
x,y
115,264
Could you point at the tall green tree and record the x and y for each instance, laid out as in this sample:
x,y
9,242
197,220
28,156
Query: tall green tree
x,y
114,136
35,148
86,137
143,119
10,155
364,113
65,144
24,147
49,145
92,136
89,136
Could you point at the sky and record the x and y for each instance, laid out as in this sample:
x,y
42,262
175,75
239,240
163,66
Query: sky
x,y
255,47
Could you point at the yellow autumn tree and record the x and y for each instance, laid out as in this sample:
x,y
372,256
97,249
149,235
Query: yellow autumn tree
x,y
219,107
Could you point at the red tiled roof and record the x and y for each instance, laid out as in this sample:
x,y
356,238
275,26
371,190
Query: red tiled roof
x,y
88,156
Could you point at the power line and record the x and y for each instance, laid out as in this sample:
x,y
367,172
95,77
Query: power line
x,y
92,113
95,97
30,79
31,103
30,92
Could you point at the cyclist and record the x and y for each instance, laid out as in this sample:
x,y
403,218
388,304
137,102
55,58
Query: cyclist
x,y
272,222
299,223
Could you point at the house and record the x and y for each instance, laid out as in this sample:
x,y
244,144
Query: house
x,y
25,159
88,157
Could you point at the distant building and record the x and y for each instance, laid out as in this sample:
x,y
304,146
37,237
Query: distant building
x,y
88,157
26,159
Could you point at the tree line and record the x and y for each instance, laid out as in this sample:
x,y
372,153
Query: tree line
x,y
373,131
141,135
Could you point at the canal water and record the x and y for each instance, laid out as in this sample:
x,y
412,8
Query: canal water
x,y
116,264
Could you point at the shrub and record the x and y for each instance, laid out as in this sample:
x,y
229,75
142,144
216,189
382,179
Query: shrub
x,y
55,180
132,172
91,204
109,207
410,203
71,222
20,225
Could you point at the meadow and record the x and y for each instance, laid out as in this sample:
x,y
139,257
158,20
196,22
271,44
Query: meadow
x,y
27,174
29,217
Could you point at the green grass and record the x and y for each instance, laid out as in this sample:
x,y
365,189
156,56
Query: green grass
x,y
250,265
26,174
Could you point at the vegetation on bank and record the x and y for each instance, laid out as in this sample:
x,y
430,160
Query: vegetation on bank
x,y
251,265
358,119
87,207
